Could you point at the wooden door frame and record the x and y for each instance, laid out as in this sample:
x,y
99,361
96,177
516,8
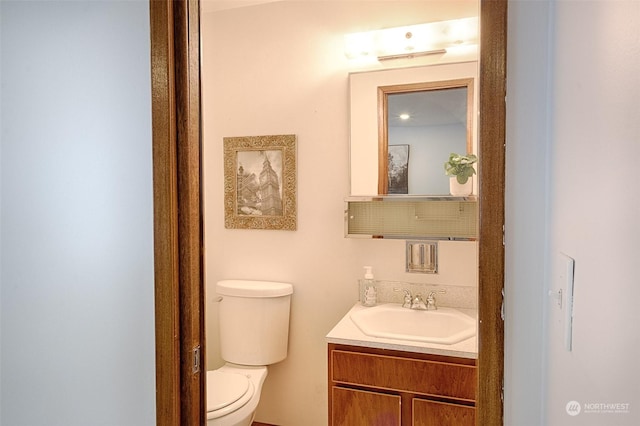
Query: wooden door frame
x,y
491,176
175,61
179,295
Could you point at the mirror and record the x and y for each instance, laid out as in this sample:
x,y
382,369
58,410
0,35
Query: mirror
x,y
395,154
421,125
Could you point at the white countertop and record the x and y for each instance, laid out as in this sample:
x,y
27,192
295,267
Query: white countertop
x,y
347,333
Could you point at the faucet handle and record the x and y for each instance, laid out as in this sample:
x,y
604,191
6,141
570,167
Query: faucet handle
x,y
431,299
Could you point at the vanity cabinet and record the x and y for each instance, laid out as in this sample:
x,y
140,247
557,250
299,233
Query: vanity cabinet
x,y
369,386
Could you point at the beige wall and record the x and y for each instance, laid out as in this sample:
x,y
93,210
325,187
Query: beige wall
x,y
279,68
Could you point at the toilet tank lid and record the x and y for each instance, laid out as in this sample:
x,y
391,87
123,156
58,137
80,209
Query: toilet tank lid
x,y
246,288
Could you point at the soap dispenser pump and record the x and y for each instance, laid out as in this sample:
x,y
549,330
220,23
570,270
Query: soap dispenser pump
x,y
369,285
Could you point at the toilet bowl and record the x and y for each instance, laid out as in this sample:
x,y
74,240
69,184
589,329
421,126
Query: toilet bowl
x,y
233,393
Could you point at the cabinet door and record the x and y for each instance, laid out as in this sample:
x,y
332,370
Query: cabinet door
x,y
404,374
352,407
432,413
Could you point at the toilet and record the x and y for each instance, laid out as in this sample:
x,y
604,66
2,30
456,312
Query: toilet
x,y
254,333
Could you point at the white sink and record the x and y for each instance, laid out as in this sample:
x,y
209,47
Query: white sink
x,y
444,326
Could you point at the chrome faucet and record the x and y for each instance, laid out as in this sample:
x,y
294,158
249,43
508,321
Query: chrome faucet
x,y
418,303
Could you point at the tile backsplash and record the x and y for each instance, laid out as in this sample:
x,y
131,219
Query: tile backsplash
x,y
453,297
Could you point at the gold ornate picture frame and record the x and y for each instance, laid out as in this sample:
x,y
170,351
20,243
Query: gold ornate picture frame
x,y
260,186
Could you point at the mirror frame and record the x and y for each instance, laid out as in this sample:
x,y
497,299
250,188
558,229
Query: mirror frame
x,y
180,391
383,119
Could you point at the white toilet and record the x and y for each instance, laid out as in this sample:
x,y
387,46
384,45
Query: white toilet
x,y
254,333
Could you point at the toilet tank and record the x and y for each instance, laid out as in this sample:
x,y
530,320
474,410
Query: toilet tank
x,y
254,321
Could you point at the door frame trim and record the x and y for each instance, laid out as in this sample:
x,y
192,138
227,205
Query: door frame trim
x,y
491,177
178,247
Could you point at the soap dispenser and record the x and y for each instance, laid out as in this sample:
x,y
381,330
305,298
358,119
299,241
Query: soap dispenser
x,y
369,286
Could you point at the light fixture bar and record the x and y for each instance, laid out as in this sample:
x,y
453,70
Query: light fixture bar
x,y
411,55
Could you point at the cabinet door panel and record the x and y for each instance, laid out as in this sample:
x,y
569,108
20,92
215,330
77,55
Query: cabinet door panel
x,y
431,413
353,407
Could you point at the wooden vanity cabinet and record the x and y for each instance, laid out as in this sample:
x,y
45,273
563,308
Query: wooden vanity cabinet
x,y
378,387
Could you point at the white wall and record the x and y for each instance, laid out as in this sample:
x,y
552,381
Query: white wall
x,y
1,213
279,68
525,211
572,127
76,215
594,215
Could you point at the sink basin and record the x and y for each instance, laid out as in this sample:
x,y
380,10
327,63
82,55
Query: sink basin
x,y
444,326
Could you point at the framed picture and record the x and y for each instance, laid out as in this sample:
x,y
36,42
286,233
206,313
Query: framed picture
x,y
398,169
260,186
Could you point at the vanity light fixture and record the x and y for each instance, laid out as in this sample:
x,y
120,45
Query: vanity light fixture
x,y
405,116
412,41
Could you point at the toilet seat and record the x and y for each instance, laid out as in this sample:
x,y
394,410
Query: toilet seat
x,y
226,392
